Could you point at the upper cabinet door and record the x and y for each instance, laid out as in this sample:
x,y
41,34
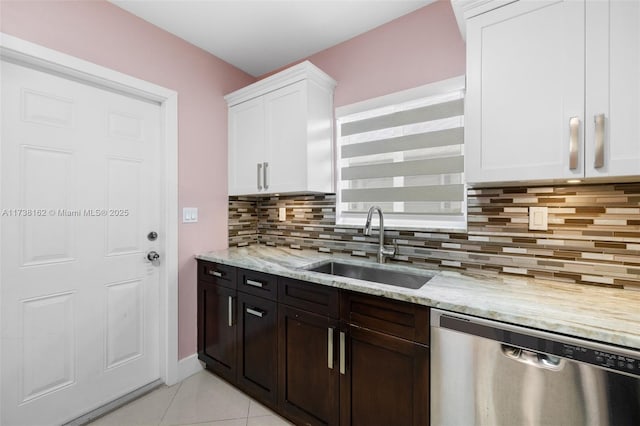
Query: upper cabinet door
x,y
286,138
246,147
612,121
525,86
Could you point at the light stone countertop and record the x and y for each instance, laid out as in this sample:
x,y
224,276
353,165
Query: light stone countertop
x,y
596,313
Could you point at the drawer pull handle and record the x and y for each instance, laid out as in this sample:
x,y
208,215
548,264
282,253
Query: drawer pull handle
x,y
254,283
255,312
343,361
574,133
598,161
230,311
215,273
330,348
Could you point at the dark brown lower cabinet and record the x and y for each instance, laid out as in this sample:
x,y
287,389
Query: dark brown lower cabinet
x,y
386,380
217,328
308,380
315,354
257,339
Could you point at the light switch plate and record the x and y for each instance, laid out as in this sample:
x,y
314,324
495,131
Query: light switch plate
x,y
538,218
282,214
189,215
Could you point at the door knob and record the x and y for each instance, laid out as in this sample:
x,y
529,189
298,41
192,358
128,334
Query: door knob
x,y
153,257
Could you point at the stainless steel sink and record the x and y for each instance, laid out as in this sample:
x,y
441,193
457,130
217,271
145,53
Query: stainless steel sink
x,y
372,273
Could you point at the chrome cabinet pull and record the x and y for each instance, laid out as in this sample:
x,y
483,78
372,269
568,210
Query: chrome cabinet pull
x,y
230,311
574,133
254,283
215,273
264,174
330,348
259,176
343,361
598,160
255,312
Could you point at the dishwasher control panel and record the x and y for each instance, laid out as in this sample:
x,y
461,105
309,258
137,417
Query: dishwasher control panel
x,y
609,360
546,343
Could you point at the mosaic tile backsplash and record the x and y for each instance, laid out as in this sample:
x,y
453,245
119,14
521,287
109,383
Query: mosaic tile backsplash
x,y
593,235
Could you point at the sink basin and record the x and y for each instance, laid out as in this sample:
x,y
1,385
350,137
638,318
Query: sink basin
x,y
372,273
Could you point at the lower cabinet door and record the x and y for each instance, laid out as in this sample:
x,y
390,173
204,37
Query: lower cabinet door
x,y
217,329
257,347
386,381
308,379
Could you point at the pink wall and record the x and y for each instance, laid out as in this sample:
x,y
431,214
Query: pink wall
x,y
102,33
415,49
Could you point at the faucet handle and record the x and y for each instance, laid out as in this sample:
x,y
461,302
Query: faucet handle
x,y
390,251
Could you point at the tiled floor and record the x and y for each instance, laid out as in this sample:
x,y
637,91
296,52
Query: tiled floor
x,y
202,399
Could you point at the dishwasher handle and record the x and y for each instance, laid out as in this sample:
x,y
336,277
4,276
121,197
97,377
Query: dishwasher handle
x,y
535,359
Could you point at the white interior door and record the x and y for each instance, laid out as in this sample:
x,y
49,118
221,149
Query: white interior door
x,y
80,193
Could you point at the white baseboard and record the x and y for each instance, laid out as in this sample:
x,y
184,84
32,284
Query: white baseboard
x,y
188,367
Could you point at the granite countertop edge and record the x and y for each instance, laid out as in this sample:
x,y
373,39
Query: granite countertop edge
x,y
595,313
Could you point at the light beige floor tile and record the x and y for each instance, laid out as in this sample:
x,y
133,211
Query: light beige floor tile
x,y
146,410
256,410
234,422
268,421
205,398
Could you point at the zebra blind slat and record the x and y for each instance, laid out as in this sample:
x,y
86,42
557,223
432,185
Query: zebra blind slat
x,y
413,193
418,115
405,143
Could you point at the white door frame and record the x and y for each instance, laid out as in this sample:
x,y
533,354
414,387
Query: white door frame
x,y
43,58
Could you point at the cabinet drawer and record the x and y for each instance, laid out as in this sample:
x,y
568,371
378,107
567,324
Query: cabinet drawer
x,y
258,283
400,319
218,273
311,297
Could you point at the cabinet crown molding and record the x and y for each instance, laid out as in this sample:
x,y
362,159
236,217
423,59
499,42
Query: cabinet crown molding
x,y
465,9
302,71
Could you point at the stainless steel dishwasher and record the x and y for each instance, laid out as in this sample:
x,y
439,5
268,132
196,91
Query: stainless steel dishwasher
x,y
490,373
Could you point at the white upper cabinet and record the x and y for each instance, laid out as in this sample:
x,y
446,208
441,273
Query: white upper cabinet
x,y
537,78
613,89
281,134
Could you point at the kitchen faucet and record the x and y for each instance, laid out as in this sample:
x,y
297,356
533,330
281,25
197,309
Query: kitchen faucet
x,y
382,250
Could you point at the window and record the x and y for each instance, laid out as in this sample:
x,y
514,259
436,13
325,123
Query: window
x,y
405,153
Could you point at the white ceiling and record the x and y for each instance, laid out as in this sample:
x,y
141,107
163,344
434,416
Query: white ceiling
x,y
259,36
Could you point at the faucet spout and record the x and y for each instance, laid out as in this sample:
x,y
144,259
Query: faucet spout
x,y
383,251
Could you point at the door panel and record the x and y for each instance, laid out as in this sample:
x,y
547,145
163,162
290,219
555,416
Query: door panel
x,y
123,194
125,322
613,87
46,237
523,87
217,328
257,347
308,383
246,146
48,329
387,381
286,140
80,190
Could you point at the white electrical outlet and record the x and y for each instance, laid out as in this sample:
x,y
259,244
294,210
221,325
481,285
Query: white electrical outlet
x,y
538,218
282,214
189,215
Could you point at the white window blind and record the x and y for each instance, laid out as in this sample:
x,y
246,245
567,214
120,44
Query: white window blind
x,y
406,157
